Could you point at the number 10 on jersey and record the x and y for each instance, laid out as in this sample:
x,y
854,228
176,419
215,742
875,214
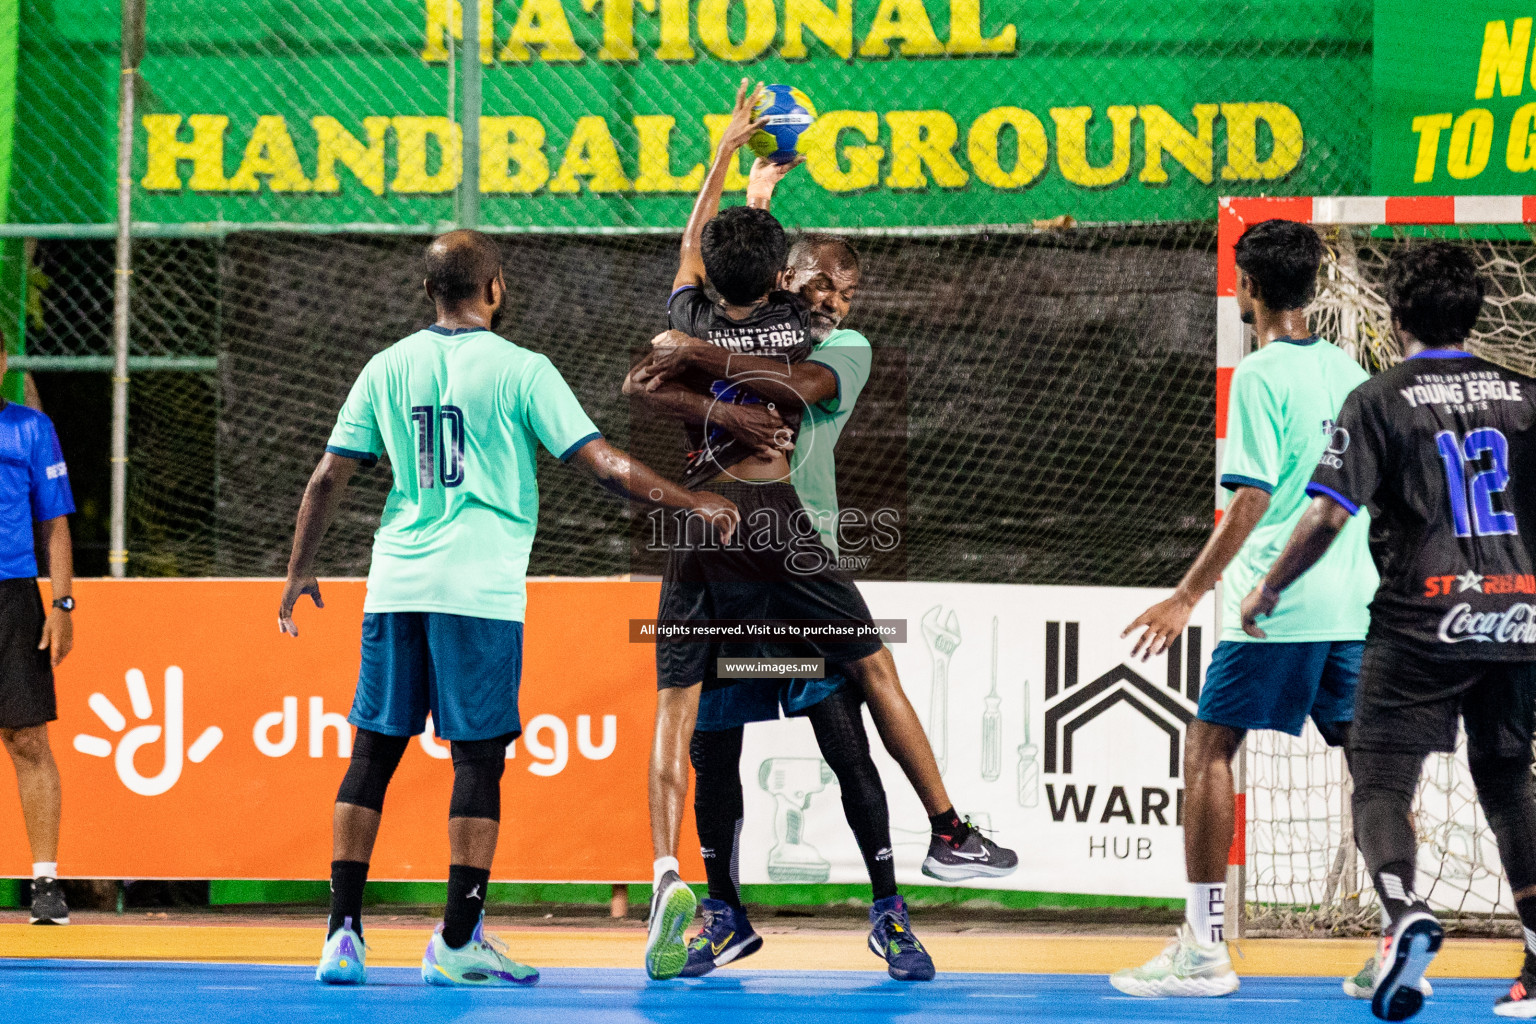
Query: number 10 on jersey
x,y
439,450
1472,509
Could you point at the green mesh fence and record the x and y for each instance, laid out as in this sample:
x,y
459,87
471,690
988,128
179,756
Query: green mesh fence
x,y
932,112
1030,446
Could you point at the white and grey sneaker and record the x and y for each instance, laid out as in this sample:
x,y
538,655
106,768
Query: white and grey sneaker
x,y
969,854
48,904
672,908
1184,968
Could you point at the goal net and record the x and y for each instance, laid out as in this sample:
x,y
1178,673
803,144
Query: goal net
x,y
1303,874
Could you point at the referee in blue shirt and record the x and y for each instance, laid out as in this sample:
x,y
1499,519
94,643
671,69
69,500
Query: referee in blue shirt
x,y
34,488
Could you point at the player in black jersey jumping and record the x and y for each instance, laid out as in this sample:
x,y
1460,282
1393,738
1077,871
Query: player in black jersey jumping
x,y
1441,448
741,403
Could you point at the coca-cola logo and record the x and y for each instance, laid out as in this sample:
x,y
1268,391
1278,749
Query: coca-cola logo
x,y
1514,625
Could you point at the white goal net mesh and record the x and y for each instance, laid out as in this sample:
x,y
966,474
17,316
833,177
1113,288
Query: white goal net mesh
x,y
1304,875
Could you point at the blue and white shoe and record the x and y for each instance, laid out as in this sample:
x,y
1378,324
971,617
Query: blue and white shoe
x,y
672,908
1407,949
891,939
727,936
480,963
342,961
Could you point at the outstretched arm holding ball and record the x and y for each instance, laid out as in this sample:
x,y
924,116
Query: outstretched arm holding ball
x,y
690,267
765,177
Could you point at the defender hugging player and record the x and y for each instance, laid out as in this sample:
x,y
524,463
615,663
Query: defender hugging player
x,y
751,348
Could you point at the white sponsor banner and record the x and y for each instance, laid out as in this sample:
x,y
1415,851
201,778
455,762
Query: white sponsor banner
x,y
1047,734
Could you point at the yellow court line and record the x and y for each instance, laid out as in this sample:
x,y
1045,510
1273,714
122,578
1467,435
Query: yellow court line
x,y
986,951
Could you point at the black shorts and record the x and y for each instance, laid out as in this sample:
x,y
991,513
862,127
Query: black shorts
x,y
26,675
1409,703
776,567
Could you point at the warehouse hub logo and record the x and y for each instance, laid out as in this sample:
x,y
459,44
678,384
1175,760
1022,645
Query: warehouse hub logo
x,y
1115,794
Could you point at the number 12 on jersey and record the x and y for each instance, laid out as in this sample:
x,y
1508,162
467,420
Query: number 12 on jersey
x,y
439,451
1472,509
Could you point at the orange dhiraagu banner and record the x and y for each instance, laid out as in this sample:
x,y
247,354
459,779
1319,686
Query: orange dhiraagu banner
x,y
195,741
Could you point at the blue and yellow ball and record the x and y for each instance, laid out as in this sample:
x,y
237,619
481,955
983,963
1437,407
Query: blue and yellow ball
x,y
789,113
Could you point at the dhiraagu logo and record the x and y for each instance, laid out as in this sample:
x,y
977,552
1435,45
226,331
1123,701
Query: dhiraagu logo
x,y
127,746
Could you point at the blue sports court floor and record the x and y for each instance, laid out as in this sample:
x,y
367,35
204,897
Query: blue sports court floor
x,y
185,993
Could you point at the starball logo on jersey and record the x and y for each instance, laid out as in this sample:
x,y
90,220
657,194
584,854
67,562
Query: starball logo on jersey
x,y
1499,583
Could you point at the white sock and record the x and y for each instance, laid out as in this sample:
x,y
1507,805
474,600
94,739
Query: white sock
x,y
45,869
1206,910
661,867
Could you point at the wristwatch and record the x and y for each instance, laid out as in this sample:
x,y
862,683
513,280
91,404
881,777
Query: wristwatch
x,y
65,604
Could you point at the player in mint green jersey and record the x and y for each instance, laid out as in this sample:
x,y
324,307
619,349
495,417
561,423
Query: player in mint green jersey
x,y
460,411
1280,422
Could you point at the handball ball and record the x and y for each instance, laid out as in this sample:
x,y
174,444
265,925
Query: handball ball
x,y
789,113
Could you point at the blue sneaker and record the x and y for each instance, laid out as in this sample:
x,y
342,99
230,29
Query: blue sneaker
x,y
891,938
341,961
480,963
727,936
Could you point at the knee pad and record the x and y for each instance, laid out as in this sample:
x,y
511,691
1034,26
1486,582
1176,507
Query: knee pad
x,y
374,760
477,769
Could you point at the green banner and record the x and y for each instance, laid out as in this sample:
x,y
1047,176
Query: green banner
x,y
1455,93
601,113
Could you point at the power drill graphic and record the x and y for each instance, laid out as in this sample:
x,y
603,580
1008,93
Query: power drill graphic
x,y
792,781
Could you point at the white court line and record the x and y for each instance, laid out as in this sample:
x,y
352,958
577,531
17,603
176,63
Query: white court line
x,y
1247,999
1004,995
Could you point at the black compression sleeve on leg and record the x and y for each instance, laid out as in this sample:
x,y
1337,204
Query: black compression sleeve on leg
x,y
348,877
844,743
718,809
1385,783
1504,789
375,757
477,769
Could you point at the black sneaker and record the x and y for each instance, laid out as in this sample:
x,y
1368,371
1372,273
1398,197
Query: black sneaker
x,y
1520,1000
48,906
967,854
1409,946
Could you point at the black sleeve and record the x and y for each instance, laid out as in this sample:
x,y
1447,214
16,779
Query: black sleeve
x,y
687,311
1350,469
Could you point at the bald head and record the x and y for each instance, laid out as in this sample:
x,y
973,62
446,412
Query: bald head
x,y
460,268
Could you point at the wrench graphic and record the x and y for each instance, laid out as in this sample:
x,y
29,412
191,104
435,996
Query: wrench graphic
x,y
943,640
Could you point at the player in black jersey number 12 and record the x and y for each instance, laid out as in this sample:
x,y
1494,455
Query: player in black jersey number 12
x,y
1441,448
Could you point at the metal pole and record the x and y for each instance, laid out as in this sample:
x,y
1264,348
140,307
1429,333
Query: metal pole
x,y
131,47
469,116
